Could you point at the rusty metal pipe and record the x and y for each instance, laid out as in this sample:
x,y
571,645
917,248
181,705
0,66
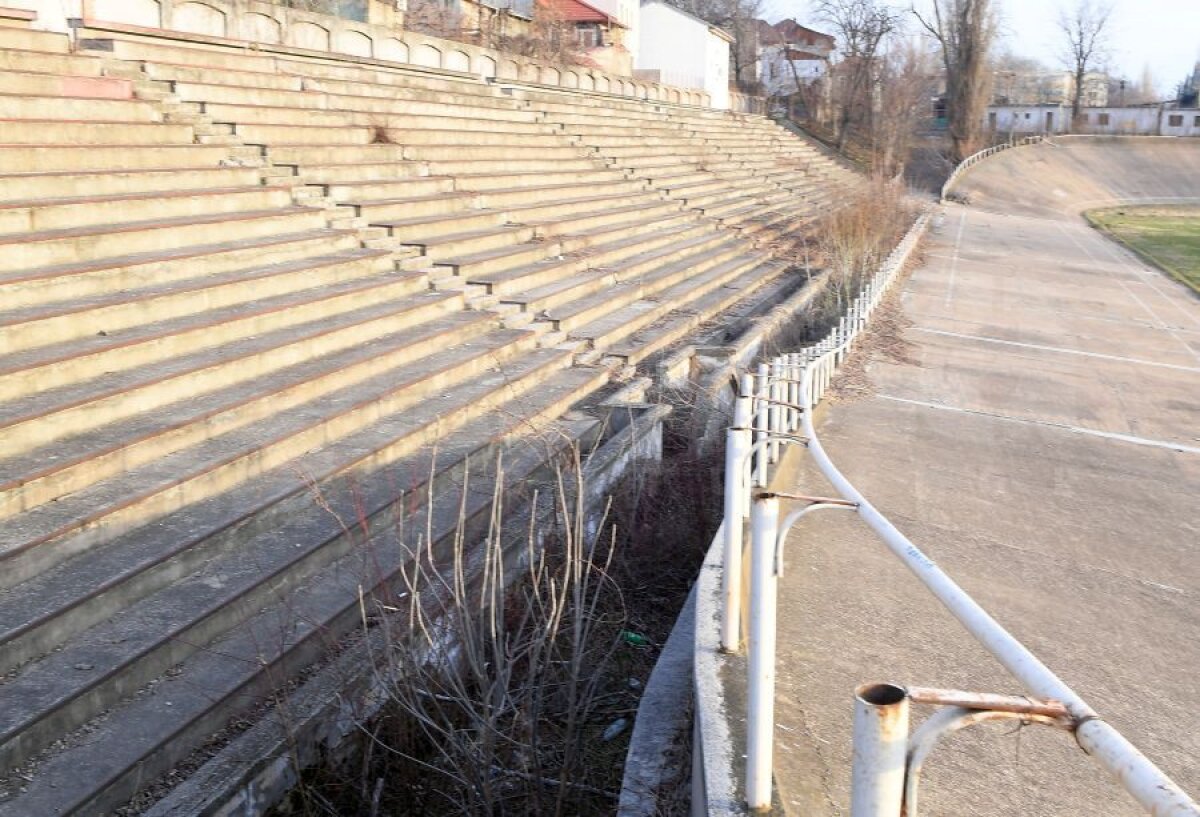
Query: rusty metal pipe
x,y
880,750
1140,777
942,723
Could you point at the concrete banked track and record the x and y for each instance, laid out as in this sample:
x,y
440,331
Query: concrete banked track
x,y
1034,426
1065,176
231,277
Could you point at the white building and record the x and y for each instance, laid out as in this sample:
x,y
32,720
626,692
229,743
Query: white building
x,y
676,48
1157,120
785,70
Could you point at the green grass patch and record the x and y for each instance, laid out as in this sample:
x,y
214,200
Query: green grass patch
x,y
1168,237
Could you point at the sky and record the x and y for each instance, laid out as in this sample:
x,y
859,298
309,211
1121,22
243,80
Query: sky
x,y
1161,34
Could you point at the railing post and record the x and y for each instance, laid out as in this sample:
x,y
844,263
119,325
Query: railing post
x,y
737,447
760,709
880,750
760,424
776,412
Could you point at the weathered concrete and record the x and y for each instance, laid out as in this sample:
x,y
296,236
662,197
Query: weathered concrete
x,y
1039,436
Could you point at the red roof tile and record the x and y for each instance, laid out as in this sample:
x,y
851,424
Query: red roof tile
x,y
577,11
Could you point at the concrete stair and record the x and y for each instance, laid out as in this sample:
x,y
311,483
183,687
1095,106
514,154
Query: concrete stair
x,y
256,305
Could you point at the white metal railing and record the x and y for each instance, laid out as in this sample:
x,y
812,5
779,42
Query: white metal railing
x,y
979,156
774,408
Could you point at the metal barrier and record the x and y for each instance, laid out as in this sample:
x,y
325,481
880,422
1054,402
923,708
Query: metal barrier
x,y
774,408
979,156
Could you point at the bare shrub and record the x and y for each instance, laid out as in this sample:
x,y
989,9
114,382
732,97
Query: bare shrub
x,y
854,239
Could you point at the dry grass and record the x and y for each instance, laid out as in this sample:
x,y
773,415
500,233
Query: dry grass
x,y
882,340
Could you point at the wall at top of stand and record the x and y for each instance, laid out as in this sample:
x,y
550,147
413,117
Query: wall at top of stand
x,y
380,37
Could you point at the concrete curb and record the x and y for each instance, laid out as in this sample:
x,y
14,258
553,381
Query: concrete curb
x,y
663,718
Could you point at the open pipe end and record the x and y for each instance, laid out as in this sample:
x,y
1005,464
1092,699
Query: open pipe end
x,y
880,694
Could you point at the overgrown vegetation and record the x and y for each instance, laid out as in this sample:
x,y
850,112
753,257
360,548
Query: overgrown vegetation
x,y
1168,237
514,666
855,239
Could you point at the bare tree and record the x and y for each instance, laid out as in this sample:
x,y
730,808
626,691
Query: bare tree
x,y
862,28
906,84
965,30
1084,33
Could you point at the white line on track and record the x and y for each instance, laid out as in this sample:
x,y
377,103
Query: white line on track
x,y
962,220
1161,323
1088,432
1058,349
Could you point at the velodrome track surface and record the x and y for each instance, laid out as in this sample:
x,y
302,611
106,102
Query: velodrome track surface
x,y
1038,433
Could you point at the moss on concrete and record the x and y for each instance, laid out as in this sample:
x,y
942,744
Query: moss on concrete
x,y
1168,237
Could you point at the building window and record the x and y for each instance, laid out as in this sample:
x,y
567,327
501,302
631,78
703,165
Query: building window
x,y
1196,122
1026,116
1083,117
588,35
1102,118
1175,120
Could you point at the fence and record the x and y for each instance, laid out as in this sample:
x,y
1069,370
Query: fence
x,y
774,409
979,156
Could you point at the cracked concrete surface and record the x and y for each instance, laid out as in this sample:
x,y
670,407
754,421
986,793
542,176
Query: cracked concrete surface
x,y
1041,441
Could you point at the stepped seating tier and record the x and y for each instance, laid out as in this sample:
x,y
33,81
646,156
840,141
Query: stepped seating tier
x,y
257,305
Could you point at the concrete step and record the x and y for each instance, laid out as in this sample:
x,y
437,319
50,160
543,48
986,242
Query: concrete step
x,y
429,205
72,365
470,265
61,321
54,64
434,153
38,158
335,154
52,247
18,105
26,39
489,138
17,18
468,242
552,209
651,247
484,182
51,701
273,135
74,132
591,304
135,561
631,216
86,211
208,75
99,277
469,166
63,84
622,322
46,534
356,173
79,184
85,416
414,231
121,445
204,689
520,197
381,188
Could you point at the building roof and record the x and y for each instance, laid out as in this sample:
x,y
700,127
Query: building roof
x,y
792,34
577,11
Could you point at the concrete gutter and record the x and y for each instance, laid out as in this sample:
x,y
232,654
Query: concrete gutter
x,y
663,718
